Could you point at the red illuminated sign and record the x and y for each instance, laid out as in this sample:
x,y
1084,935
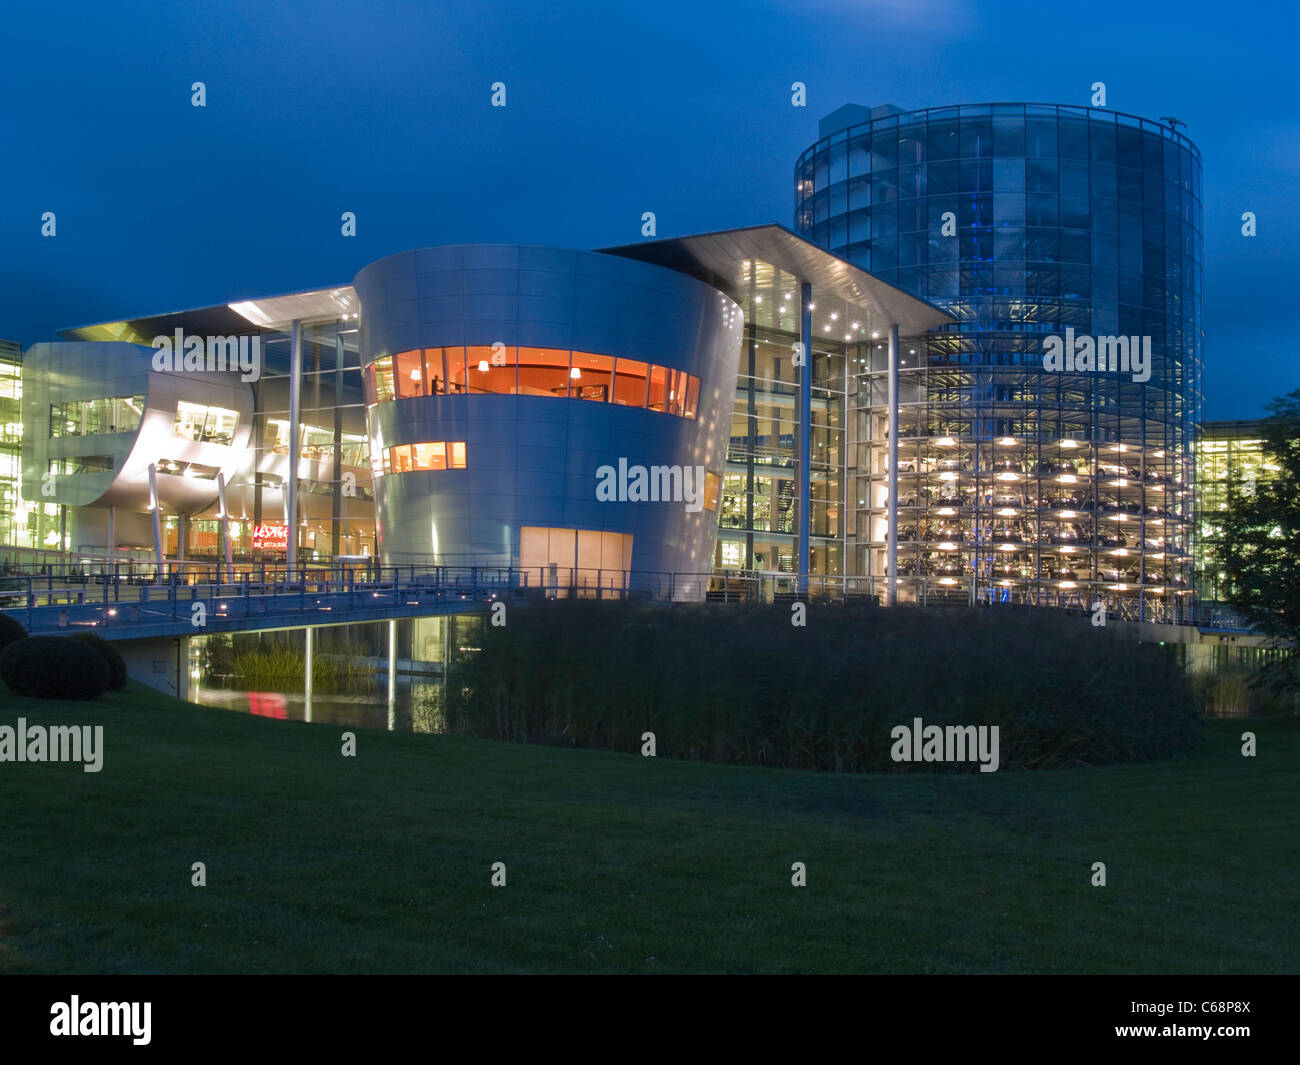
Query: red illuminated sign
x,y
272,536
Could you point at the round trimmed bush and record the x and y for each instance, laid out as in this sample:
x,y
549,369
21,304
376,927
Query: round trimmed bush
x,y
53,667
111,655
10,631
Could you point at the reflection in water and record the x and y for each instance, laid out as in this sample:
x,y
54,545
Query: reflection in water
x,y
414,706
264,673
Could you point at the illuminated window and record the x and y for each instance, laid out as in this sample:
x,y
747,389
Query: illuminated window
x,y
658,388
213,425
408,369
89,417
432,455
630,379
543,372
677,392
564,561
382,380
82,464
590,376
711,484
492,369
526,371
455,370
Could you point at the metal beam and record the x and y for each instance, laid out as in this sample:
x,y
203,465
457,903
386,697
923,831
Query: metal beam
x,y
295,446
805,431
891,593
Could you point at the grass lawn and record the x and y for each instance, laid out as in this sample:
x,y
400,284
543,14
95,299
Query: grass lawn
x,y
616,863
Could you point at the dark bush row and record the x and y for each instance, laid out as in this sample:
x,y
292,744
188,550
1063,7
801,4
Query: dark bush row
x,y
742,685
82,666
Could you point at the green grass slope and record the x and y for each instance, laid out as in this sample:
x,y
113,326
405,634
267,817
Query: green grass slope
x,y
616,863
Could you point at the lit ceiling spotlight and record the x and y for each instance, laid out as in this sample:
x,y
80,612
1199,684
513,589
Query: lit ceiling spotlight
x,y
911,351
758,299
848,336
855,326
835,316
828,328
875,335
812,306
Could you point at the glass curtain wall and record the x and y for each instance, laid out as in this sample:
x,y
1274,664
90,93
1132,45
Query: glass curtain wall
x,y
758,513
1018,484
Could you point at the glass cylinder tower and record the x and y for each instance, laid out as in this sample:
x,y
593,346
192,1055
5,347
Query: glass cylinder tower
x,y
1043,456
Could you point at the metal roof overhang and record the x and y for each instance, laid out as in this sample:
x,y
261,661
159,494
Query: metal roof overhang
x,y
241,316
727,259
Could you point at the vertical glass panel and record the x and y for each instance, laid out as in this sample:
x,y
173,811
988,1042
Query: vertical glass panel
x,y
491,369
630,382
430,456
658,388
409,369
456,455
543,372
435,373
677,393
384,391
692,396
593,376
455,370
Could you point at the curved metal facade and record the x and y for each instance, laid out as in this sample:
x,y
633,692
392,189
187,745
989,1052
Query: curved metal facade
x,y
523,456
1025,221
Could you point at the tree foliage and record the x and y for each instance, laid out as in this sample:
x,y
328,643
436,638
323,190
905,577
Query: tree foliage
x,y
1260,547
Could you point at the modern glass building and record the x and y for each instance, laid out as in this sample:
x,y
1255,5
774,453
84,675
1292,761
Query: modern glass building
x,y
1230,459
455,406
1019,481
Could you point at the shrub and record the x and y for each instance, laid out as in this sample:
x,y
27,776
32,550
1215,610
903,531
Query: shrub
x,y
53,667
111,655
740,684
10,631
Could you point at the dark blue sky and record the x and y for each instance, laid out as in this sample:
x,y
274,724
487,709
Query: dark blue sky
x,y
382,108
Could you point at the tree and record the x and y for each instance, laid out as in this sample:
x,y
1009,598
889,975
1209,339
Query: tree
x,y
1260,548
